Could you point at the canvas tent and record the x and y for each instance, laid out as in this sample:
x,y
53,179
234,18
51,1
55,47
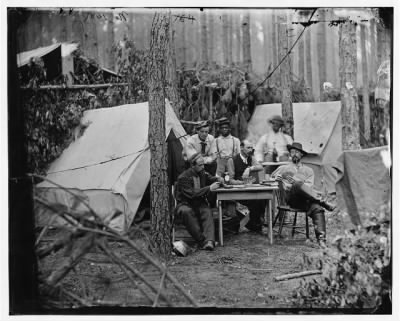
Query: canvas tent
x,y
364,183
318,126
57,59
109,164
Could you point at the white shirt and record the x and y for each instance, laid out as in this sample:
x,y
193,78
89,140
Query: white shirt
x,y
267,142
224,147
194,146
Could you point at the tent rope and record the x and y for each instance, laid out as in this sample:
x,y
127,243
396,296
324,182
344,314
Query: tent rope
x,y
100,163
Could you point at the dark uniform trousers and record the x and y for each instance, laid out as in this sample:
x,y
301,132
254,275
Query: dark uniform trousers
x,y
198,221
302,197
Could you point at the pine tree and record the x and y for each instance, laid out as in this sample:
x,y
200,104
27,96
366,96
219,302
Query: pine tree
x,y
161,216
348,92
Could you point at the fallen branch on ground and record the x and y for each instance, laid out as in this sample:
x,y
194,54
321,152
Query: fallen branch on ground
x,y
296,275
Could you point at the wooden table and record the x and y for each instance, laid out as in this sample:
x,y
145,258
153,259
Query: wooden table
x,y
248,192
274,163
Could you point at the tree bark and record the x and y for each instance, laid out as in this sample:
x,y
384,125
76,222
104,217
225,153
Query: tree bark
x,y
225,50
274,40
321,49
309,76
238,23
172,81
230,37
301,59
266,45
110,41
183,46
203,40
348,92
285,74
373,54
210,25
161,217
365,87
246,42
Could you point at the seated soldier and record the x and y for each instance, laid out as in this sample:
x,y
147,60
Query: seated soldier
x,y
244,165
297,184
192,188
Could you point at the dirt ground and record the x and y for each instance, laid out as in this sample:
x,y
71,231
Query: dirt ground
x,y
238,275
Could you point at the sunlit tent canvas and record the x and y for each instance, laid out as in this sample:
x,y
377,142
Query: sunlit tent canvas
x,y
109,164
318,126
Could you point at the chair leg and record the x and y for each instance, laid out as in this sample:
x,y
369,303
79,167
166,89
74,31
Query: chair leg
x,y
276,217
294,223
282,215
307,228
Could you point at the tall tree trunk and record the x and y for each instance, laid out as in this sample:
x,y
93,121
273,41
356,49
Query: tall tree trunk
x,y
309,76
348,92
266,45
210,32
373,54
91,39
203,39
246,41
230,37
184,46
321,49
110,42
383,47
365,91
172,80
161,216
274,39
225,50
301,59
238,29
285,74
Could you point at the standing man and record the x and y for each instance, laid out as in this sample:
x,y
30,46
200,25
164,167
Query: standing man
x,y
192,188
201,143
224,148
297,185
274,141
245,165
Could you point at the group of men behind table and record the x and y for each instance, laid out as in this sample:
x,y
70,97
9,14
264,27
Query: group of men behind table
x,y
210,158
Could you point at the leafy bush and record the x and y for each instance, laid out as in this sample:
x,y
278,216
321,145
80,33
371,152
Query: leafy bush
x,y
52,115
356,269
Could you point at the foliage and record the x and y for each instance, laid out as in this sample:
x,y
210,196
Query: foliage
x,y
50,119
131,66
356,269
52,115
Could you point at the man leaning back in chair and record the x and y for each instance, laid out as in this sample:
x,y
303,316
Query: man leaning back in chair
x,y
297,182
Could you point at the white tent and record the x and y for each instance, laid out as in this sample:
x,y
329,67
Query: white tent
x,y
108,165
317,126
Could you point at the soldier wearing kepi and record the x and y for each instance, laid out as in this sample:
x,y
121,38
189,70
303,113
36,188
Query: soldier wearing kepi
x,y
192,189
201,143
297,185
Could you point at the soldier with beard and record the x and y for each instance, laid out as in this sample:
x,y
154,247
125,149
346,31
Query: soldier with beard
x,y
297,185
192,189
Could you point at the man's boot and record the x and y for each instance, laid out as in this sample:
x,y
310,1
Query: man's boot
x,y
318,219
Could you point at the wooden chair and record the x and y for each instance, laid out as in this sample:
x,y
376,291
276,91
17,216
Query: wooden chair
x,y
282,215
